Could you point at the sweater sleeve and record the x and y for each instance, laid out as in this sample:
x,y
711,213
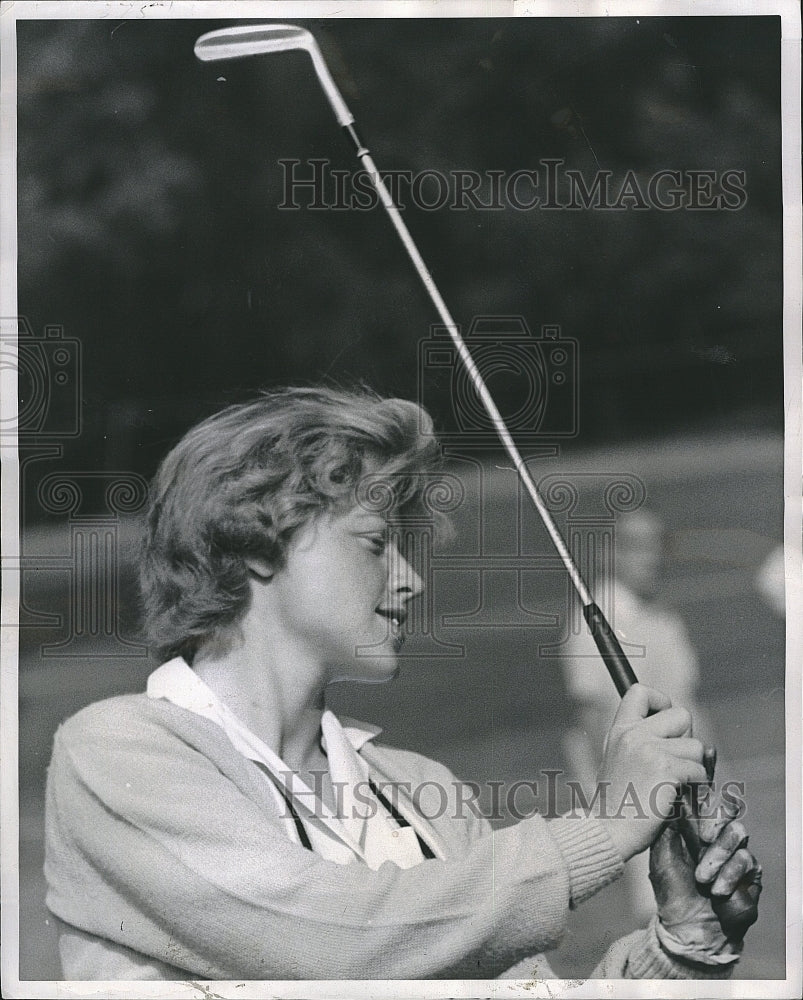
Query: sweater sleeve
x,y
151,846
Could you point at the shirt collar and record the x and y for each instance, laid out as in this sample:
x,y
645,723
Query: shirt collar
x,y
177,682
374,839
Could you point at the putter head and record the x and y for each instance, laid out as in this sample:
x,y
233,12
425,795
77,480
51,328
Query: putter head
x,y
263,39
252,40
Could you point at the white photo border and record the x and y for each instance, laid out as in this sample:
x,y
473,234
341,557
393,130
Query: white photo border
x,y
789,13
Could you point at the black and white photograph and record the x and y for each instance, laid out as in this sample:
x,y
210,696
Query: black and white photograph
x,y
401,481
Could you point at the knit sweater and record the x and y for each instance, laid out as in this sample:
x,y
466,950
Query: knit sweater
x,y
166,858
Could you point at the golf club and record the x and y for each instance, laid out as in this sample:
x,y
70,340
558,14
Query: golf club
x,y
739,909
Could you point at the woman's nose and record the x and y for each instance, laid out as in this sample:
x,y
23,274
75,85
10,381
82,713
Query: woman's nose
x,y
403,578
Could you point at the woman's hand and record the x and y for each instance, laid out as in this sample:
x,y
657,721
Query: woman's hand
x,y
649,753
692,923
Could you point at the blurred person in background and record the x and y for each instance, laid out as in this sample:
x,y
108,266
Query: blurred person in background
x,y
668,662
770,581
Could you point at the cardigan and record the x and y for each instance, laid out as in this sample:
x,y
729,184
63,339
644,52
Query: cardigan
x,y
166,858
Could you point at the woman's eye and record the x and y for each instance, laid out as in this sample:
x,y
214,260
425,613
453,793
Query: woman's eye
x,y
377,543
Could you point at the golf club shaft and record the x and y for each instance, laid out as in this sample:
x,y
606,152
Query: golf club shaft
x,y
470,365
608,645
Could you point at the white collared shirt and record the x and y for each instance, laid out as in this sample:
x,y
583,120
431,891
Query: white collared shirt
x,y
364,829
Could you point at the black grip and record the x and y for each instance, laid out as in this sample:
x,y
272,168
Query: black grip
x,y
738,911
611,652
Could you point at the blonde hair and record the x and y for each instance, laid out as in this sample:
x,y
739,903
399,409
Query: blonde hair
x,y
242,482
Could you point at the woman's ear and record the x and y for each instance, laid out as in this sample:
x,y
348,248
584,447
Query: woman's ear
x,y
259,567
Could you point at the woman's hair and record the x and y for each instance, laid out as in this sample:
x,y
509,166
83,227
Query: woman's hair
x,y
242,482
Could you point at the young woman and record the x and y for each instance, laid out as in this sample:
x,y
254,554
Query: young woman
x,y
225,825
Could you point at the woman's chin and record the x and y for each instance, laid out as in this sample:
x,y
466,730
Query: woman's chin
x,y
374,671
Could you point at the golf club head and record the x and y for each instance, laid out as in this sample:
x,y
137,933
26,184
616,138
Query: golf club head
x,y
264,39
252,40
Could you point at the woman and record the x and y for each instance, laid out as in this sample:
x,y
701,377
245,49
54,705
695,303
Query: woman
x,y
226,825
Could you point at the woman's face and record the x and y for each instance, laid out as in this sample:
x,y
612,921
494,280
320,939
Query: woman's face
x,y
341,597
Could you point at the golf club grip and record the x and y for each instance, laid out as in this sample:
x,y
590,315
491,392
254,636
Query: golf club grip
x,y
618,665
738,911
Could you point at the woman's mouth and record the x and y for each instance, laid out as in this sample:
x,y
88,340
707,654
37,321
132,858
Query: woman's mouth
x,y
396,618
